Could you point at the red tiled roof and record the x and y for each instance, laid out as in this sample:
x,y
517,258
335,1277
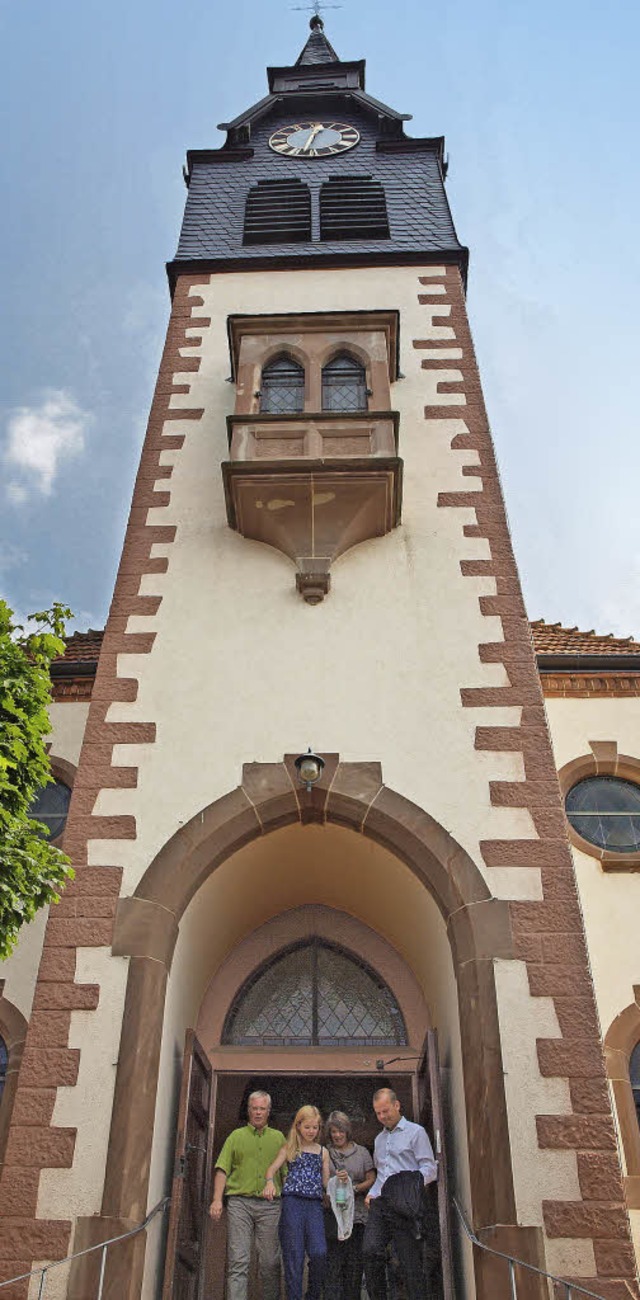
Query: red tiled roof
x,y
554,639
82,647
548,638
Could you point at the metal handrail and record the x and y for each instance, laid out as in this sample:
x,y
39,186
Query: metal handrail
x,y
89,1250
570,1288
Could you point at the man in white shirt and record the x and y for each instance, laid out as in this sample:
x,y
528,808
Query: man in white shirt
x,y
401,1147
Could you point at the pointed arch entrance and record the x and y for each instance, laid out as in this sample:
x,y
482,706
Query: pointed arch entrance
x,y
351,796
261,1022
312,968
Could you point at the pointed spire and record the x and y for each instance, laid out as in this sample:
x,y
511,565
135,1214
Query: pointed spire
x,y
317,49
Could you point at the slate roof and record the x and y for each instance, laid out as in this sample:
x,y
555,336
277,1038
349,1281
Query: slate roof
x,y
419,216
411,171
317,48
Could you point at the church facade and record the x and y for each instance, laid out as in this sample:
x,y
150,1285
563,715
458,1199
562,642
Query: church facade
x,y
316,820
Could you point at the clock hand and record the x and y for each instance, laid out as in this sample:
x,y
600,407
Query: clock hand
x,y
312,135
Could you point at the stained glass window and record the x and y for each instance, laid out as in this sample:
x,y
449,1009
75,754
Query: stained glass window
x,y
4,1057
344,385
315,995
282,387
606,811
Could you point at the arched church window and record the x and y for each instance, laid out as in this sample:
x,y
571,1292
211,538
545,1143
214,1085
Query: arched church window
x,y
344,385
4,1058
282,387
315,995
634,1077
50,806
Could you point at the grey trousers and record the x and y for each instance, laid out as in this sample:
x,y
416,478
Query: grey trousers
x,y
250,1219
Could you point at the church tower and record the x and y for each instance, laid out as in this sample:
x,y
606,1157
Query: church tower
x,y
317,558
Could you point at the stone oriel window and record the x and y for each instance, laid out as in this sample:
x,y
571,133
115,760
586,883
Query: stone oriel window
x,y
313,463
282,387
344,385
315,995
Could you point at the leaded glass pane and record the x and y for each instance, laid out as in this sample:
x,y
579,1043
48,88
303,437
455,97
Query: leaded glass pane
x,y
277,1009
282,387
315,995
344,385
50,806
605,810
352,1005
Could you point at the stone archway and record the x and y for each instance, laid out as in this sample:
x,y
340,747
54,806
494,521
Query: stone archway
x,y
621,1038
13,1028
478,926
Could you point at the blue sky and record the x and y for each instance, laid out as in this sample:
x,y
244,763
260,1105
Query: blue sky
x,y
539,107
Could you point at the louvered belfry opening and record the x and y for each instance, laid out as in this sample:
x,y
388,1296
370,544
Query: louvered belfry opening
x,y
353,207
344,384
282,387
277,212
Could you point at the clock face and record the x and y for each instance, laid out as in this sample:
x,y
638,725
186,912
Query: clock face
x,y
314,139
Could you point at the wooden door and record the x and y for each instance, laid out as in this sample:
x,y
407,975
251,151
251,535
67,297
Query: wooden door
x,y
184,1265
429,1111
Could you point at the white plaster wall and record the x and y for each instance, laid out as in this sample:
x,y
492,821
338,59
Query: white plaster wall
x,y
539,1174
68,721
268,673
610,900
20,970
87,1106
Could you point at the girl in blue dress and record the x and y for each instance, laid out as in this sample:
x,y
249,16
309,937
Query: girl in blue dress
x,y
301,1218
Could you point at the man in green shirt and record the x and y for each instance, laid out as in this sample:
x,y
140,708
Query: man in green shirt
x,y
240,1176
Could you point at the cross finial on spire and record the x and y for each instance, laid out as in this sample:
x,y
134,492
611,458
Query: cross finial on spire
x,y
315,8
317,48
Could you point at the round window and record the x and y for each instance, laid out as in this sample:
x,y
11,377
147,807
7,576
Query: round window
x,y
50,806
605,810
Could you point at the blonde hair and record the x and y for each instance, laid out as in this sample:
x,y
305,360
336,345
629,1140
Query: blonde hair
x,y
293,1144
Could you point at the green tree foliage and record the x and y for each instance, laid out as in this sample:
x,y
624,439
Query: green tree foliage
x,y
32,871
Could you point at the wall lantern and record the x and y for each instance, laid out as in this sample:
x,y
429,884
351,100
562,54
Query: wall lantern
x,y
309,768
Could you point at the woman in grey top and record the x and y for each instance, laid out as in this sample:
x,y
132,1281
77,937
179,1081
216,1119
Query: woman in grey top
x,y
347,1160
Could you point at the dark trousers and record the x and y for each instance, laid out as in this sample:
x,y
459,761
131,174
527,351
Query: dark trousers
x,y
382,1228
343,1278
302,1233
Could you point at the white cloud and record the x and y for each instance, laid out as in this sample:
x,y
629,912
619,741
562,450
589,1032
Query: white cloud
x,y
11,556
38,438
